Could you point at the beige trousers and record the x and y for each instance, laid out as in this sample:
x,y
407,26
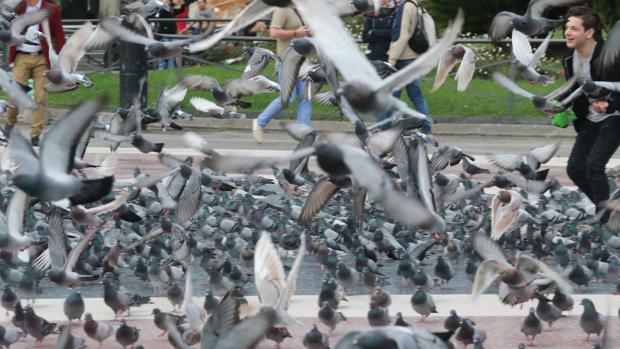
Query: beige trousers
x,y
26,67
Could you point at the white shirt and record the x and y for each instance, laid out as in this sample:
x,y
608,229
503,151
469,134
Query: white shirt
x,y
25,47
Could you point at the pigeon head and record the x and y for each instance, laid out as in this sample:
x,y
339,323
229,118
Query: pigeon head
x,y
5,36
54,76
86,81
88,317
509,275
56,275
303,46
504,196
157,49
457,51
361,5
374,340
360,95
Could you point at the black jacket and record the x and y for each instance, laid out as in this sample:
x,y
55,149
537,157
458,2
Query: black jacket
x,y
581,104
378,34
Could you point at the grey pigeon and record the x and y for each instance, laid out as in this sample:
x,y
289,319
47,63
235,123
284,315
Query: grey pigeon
x,y
330,317
47,176
74,306
377,316
315,339
9,336
97,330
20,25
15,91
67,340
400,321
120,300
531,23
590,320
452,322
127,335
448,156
8,298
423,303
37,326
548,312
468,331
531,326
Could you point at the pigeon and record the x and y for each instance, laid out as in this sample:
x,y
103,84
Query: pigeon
x,y
471,169
464,73
62,75
611,50
531,23
515,276
145,8
160,319
468,332
97,330
377,316
444,271
8,298
212,109
548,312
67,340
74,306
545,103
20,25
9,336
531,326
127,335
37,326
393,337
526,61
423,303
504,211
400,321
223,329
452,322
364,90
590,320
330,317
526,164
448,155
315,339
16,92
46,176
120,300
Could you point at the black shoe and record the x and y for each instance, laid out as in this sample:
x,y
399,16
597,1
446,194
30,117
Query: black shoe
x,y
34,141
8,128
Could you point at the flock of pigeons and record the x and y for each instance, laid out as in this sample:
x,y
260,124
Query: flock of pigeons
x,y
68,222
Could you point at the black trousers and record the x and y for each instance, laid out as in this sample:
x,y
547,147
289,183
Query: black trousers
x,y
595,144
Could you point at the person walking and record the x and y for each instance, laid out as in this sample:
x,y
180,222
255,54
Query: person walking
x,y
286,24
597,117
401,55
165,30
377,32
31,60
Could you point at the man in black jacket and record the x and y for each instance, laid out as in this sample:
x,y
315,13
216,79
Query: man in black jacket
x,y
598,117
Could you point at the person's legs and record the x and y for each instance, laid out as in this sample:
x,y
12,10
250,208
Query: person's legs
x,y
304,104
577,161
40,95
602,150
274,108
414,92
21,74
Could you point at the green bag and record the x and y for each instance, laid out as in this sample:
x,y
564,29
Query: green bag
x,y
563,119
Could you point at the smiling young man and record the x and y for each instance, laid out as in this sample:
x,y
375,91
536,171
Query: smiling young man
x,y
598,117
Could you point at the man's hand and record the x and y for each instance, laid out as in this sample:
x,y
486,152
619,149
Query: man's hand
x,y
302,32
600,106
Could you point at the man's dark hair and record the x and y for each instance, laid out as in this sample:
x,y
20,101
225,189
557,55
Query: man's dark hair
x,y
591,19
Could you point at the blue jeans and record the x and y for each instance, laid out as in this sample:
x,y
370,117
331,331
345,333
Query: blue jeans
x,y
161,64
414,92
304,106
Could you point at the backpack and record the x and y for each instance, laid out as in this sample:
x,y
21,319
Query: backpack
x,y
424,33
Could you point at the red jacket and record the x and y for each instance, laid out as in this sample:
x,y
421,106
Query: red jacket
x,y
55,21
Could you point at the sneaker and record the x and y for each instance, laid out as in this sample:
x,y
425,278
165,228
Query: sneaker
x,y
257,131
34,141
8,128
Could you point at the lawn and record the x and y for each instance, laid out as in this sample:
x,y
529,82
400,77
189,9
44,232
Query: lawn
x,y
482,99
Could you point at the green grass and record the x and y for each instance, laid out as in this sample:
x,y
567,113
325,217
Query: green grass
x,y
483,98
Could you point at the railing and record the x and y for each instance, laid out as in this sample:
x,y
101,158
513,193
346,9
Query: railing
x,y
95,61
